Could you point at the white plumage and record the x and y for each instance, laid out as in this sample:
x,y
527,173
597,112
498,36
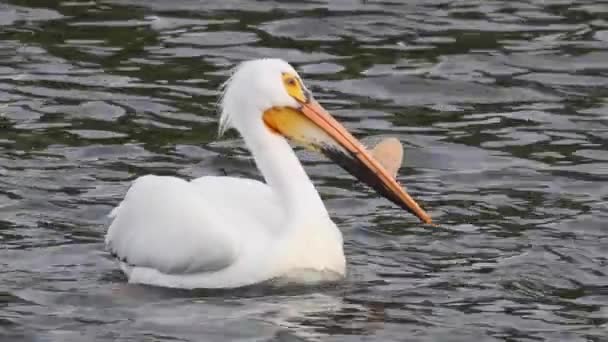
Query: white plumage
x,y
225,232
219,232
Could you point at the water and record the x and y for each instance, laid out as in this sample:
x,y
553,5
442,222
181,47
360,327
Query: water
x,y
502,106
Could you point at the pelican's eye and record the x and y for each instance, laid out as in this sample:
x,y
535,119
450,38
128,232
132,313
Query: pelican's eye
x,y
294,87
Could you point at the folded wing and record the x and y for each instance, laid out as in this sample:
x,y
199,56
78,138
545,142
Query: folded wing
x,y
167,224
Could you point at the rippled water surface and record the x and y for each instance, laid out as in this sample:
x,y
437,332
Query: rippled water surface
x,y
502,106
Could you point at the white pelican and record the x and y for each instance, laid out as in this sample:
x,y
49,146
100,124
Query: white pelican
x,y
226,232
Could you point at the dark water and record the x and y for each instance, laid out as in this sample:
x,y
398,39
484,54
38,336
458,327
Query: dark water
x,y
502,105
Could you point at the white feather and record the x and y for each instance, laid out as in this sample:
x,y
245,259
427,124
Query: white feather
x,y
224,232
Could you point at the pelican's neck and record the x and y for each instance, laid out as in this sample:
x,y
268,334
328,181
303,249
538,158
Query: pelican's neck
x,y
284,173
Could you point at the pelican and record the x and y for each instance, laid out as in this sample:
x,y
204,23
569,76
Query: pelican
x,y
227,232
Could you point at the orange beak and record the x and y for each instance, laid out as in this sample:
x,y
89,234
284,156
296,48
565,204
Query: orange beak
x,y
312,126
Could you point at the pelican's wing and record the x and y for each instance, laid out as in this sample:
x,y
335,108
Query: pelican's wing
x,y
176,227
245,198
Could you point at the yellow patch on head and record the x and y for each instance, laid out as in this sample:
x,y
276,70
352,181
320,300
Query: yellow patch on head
x,y
294,88
290,123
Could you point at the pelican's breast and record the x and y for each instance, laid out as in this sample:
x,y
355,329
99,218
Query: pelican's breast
x,y
315,247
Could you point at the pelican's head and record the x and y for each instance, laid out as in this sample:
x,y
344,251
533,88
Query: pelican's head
x,y
274,90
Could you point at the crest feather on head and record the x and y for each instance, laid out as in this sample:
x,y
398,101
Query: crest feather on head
x,y
242,76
